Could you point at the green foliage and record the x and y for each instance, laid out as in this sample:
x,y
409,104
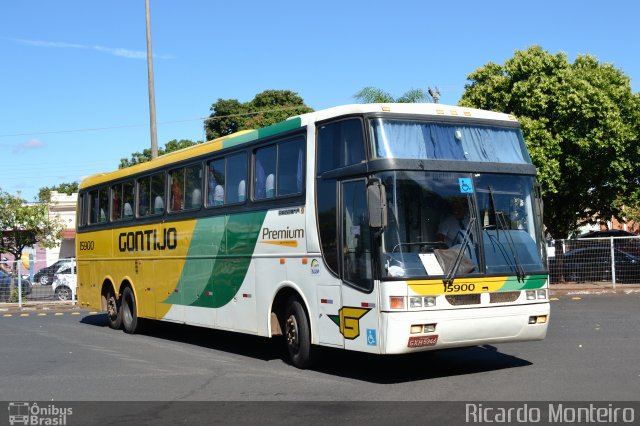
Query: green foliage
x,y
44,195
581,122
373,95
14,297
22,225
145,155
266,108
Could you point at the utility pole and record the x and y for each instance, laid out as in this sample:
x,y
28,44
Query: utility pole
x,y
152,95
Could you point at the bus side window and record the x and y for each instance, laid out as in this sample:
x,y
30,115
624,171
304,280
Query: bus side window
x,y
265,159
128,199
216,182
103,196
157,193
93,207
116,202
144,193
290,167
236,178
176,196
193,187
340,144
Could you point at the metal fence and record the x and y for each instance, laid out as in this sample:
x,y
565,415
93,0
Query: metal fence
x,y
614,260
19,285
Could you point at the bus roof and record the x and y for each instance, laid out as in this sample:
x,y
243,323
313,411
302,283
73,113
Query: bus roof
x,y
245,136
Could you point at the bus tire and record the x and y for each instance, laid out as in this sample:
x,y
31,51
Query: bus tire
x,y
297,334
129,313
114,311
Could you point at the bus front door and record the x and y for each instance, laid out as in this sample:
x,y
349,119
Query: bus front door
x,y
358,317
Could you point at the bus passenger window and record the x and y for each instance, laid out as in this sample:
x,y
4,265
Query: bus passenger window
x,y
193,185
215,183
157,193
128,198
236,190
116,202
290,167
176,197
265,171
94,207
144,195
103,195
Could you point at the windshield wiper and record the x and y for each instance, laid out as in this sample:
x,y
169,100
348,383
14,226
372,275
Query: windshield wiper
x,y
419,243
501,223
451,274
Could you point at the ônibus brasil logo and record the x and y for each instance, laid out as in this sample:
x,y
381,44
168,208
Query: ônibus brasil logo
x,y
26,413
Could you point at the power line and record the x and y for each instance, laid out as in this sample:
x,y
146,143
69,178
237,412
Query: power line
x,y
127,126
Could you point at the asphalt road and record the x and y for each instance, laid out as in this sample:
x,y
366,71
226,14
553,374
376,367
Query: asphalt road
x,y
592,352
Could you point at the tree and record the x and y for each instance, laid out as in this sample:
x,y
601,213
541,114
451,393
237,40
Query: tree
x,y
266,108
44,195
23,225
145,155
581,122
373,95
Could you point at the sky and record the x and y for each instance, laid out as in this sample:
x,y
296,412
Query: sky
x,y
73,74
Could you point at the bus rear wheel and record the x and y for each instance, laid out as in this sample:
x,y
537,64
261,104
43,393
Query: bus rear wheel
x,y
129,315
114,316
297,334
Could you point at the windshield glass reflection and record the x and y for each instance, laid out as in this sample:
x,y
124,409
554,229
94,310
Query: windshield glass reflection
x,y
431,212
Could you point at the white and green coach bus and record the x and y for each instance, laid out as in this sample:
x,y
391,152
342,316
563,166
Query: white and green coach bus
x,y
381,228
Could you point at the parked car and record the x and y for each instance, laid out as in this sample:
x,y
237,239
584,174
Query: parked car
x,y
45,275
6,281
622,240
65,282
594,264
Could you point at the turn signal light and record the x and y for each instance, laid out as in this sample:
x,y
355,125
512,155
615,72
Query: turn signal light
x,y
397,302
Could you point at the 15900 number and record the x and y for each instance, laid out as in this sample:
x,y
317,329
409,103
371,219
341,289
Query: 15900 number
x,y
87,245
454,288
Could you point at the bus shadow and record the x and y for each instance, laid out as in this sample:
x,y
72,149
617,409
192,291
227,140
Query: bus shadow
x,y
392,369
365,367
226,341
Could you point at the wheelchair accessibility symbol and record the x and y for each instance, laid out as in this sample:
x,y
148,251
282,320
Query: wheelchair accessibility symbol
x,y
371,337
466,187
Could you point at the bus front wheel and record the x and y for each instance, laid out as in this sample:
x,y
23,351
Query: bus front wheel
x,y
129,311
297,334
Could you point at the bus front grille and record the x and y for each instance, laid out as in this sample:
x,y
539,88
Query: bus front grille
x,y
463,299
504,297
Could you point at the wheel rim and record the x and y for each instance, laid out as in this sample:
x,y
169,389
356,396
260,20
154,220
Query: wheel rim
x,y
112,309
63,294
44,280
292,333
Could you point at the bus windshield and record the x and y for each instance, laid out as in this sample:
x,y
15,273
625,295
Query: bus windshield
x,y
433,216
420,140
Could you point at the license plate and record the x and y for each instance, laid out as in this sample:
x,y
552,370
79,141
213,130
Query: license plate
x,y
421,341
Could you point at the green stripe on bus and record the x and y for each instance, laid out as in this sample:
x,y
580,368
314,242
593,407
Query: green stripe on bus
x,y
530,282
283,126
218,259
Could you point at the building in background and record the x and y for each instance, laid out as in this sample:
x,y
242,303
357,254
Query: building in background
x,y
63,206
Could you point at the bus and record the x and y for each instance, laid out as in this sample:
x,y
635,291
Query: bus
x,y
334,228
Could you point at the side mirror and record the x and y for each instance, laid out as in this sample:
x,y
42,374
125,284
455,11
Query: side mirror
x,y
377,203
